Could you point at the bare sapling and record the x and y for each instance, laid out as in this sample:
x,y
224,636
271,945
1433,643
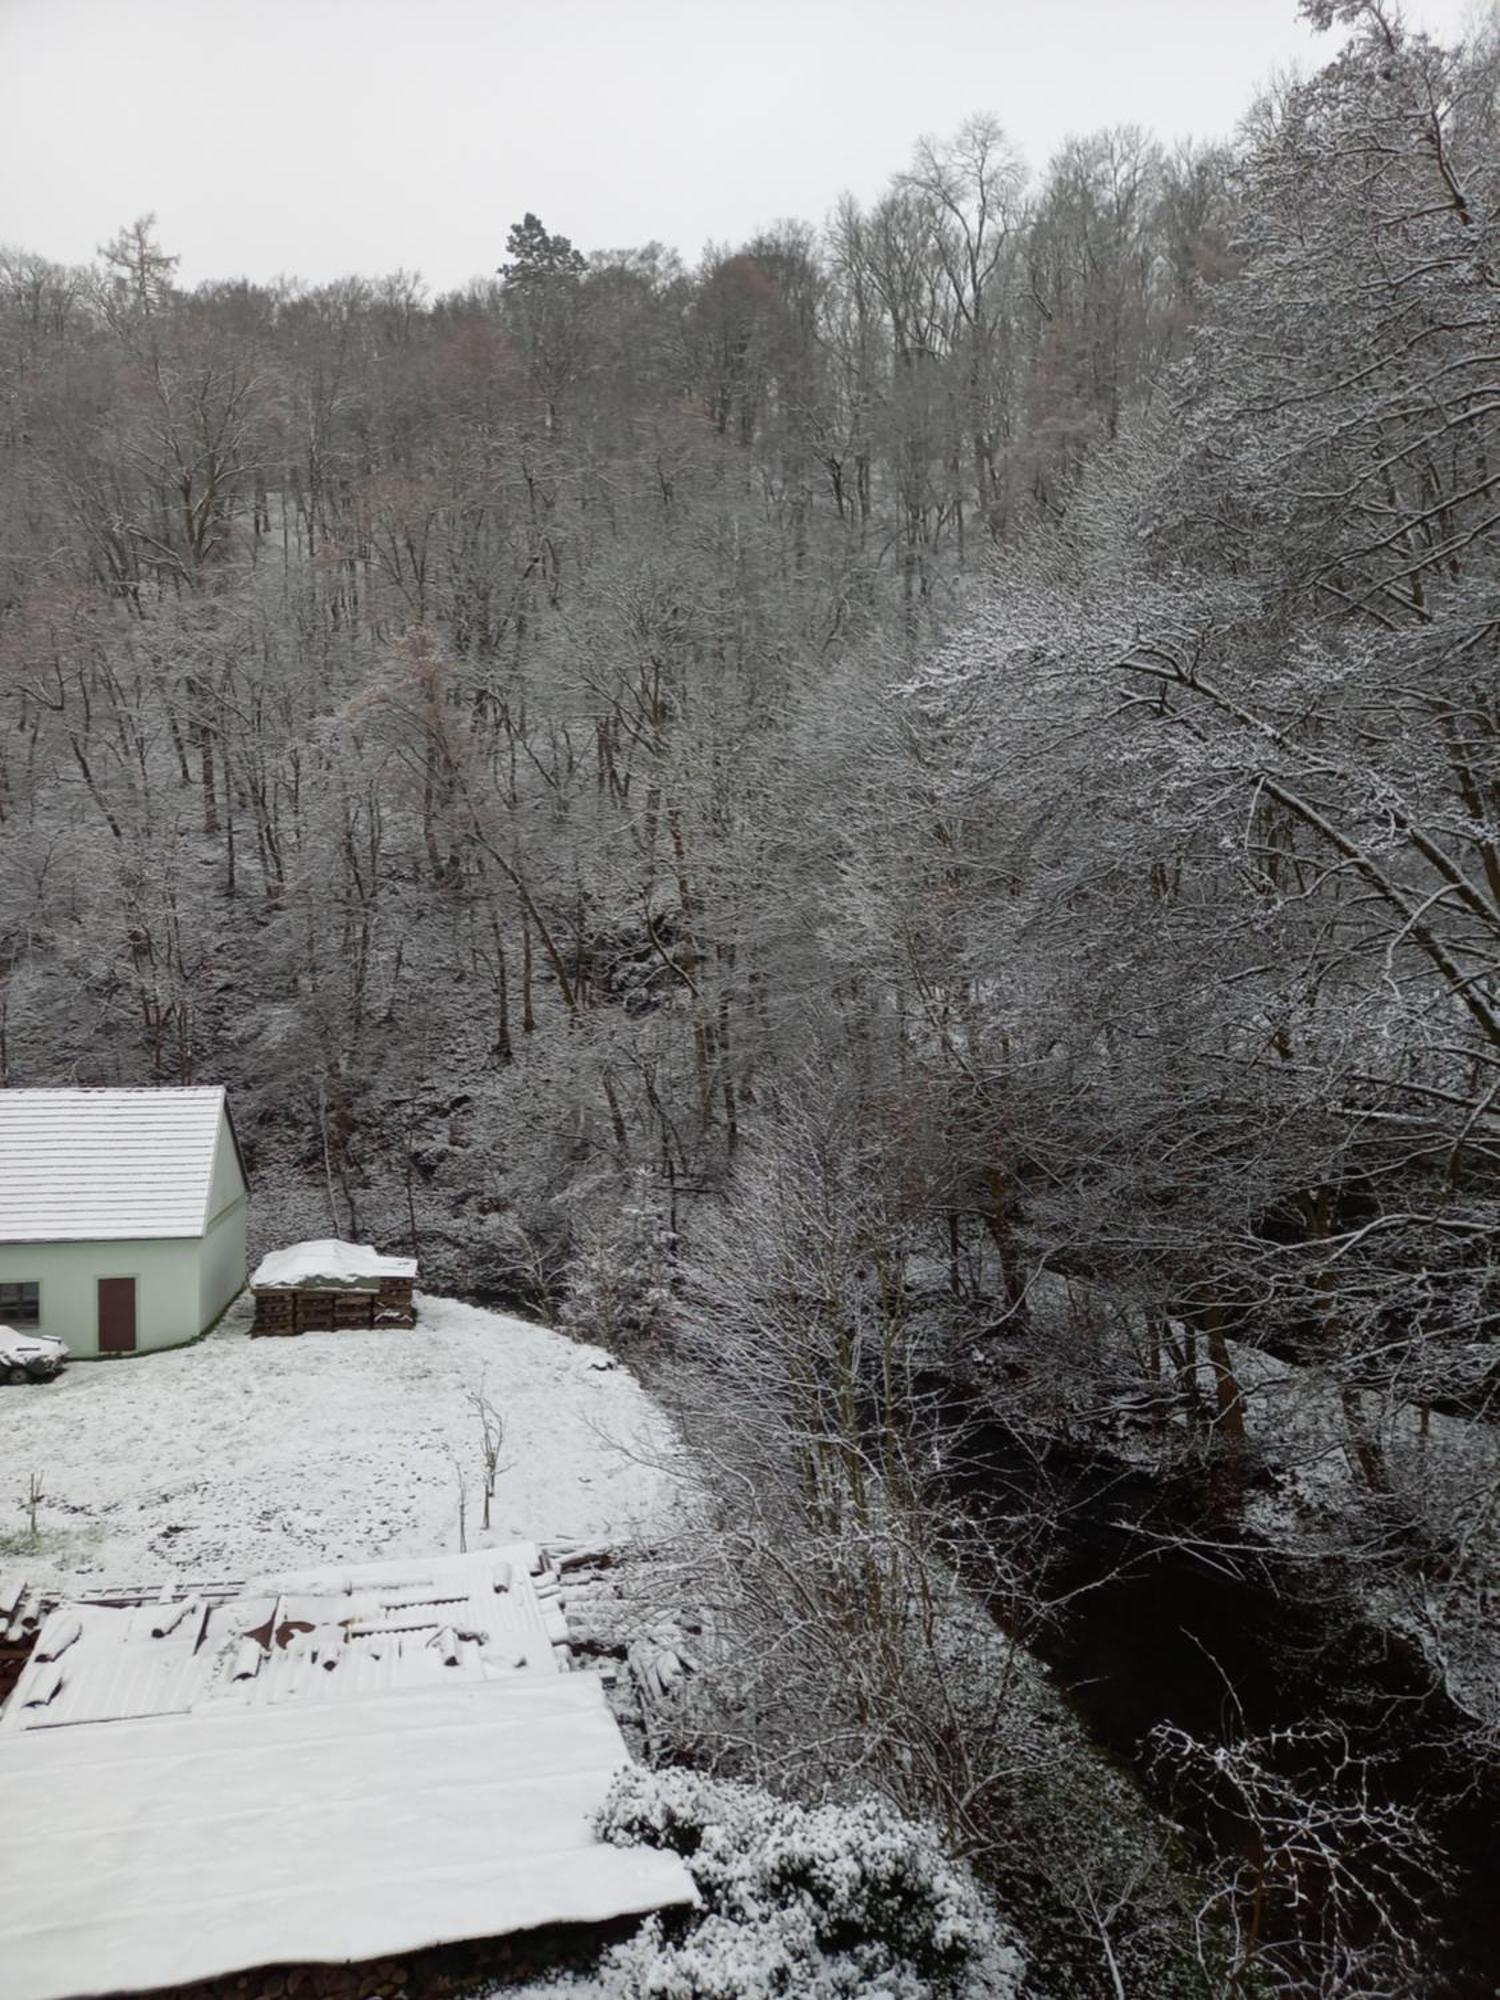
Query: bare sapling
x,y
36,1493
461,1482
491,1443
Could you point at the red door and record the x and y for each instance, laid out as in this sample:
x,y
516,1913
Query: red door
x,y
117,1315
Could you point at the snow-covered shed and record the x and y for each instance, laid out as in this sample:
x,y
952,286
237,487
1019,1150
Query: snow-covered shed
x,y
329,1767
321,1286
122,1215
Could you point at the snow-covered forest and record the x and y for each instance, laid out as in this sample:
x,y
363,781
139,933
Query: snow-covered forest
x,y
901,827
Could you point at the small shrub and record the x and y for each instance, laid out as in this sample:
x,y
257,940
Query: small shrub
x,y
819,1901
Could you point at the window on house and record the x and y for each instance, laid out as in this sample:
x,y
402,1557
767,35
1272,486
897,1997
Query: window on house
x,y
20,1305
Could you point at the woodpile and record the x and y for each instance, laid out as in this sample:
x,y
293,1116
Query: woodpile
x,y
393,1303
23,1611
288,1309
328,1285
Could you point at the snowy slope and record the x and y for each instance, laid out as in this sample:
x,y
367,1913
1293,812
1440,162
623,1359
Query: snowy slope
x,y
237,1455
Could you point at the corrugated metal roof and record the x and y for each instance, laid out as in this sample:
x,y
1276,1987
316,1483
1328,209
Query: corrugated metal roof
x,y
312,1636
84,1166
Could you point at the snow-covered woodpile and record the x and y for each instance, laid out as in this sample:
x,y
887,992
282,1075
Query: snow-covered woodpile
x,y
287,1751
623,1615
325,1286
21,1613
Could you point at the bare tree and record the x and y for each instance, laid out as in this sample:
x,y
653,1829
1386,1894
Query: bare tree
x,y
491,1443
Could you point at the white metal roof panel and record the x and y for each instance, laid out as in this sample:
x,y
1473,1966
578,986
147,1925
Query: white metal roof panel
x,y
144,1854
87,1166
321,1636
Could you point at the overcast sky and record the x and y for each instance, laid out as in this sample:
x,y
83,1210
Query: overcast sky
x,y
319,137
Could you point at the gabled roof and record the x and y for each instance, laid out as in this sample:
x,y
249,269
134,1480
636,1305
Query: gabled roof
x,y
83,1166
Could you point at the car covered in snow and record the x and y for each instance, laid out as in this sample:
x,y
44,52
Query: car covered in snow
x,y
29,1357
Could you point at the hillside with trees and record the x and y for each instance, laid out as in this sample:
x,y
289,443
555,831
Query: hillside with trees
x,y
903,827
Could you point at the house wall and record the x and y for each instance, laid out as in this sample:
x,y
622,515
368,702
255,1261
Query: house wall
x,y
168,1287
222,1261
228,1183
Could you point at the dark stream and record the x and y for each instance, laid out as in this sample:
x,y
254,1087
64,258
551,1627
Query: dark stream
x,y
1150,1629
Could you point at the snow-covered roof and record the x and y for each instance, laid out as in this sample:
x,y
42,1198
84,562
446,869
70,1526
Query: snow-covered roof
x,y
83,1166
314,1636
327,1765
328,1262
149,1853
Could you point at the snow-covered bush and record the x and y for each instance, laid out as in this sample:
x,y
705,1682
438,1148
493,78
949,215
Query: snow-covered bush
x,y
819,1902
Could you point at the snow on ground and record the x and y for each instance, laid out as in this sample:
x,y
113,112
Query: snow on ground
x,y
235,1456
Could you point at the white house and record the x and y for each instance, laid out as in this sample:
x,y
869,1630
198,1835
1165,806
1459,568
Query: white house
x,y
122,1215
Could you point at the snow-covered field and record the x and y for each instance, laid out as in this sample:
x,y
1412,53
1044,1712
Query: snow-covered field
x,y
237,1455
